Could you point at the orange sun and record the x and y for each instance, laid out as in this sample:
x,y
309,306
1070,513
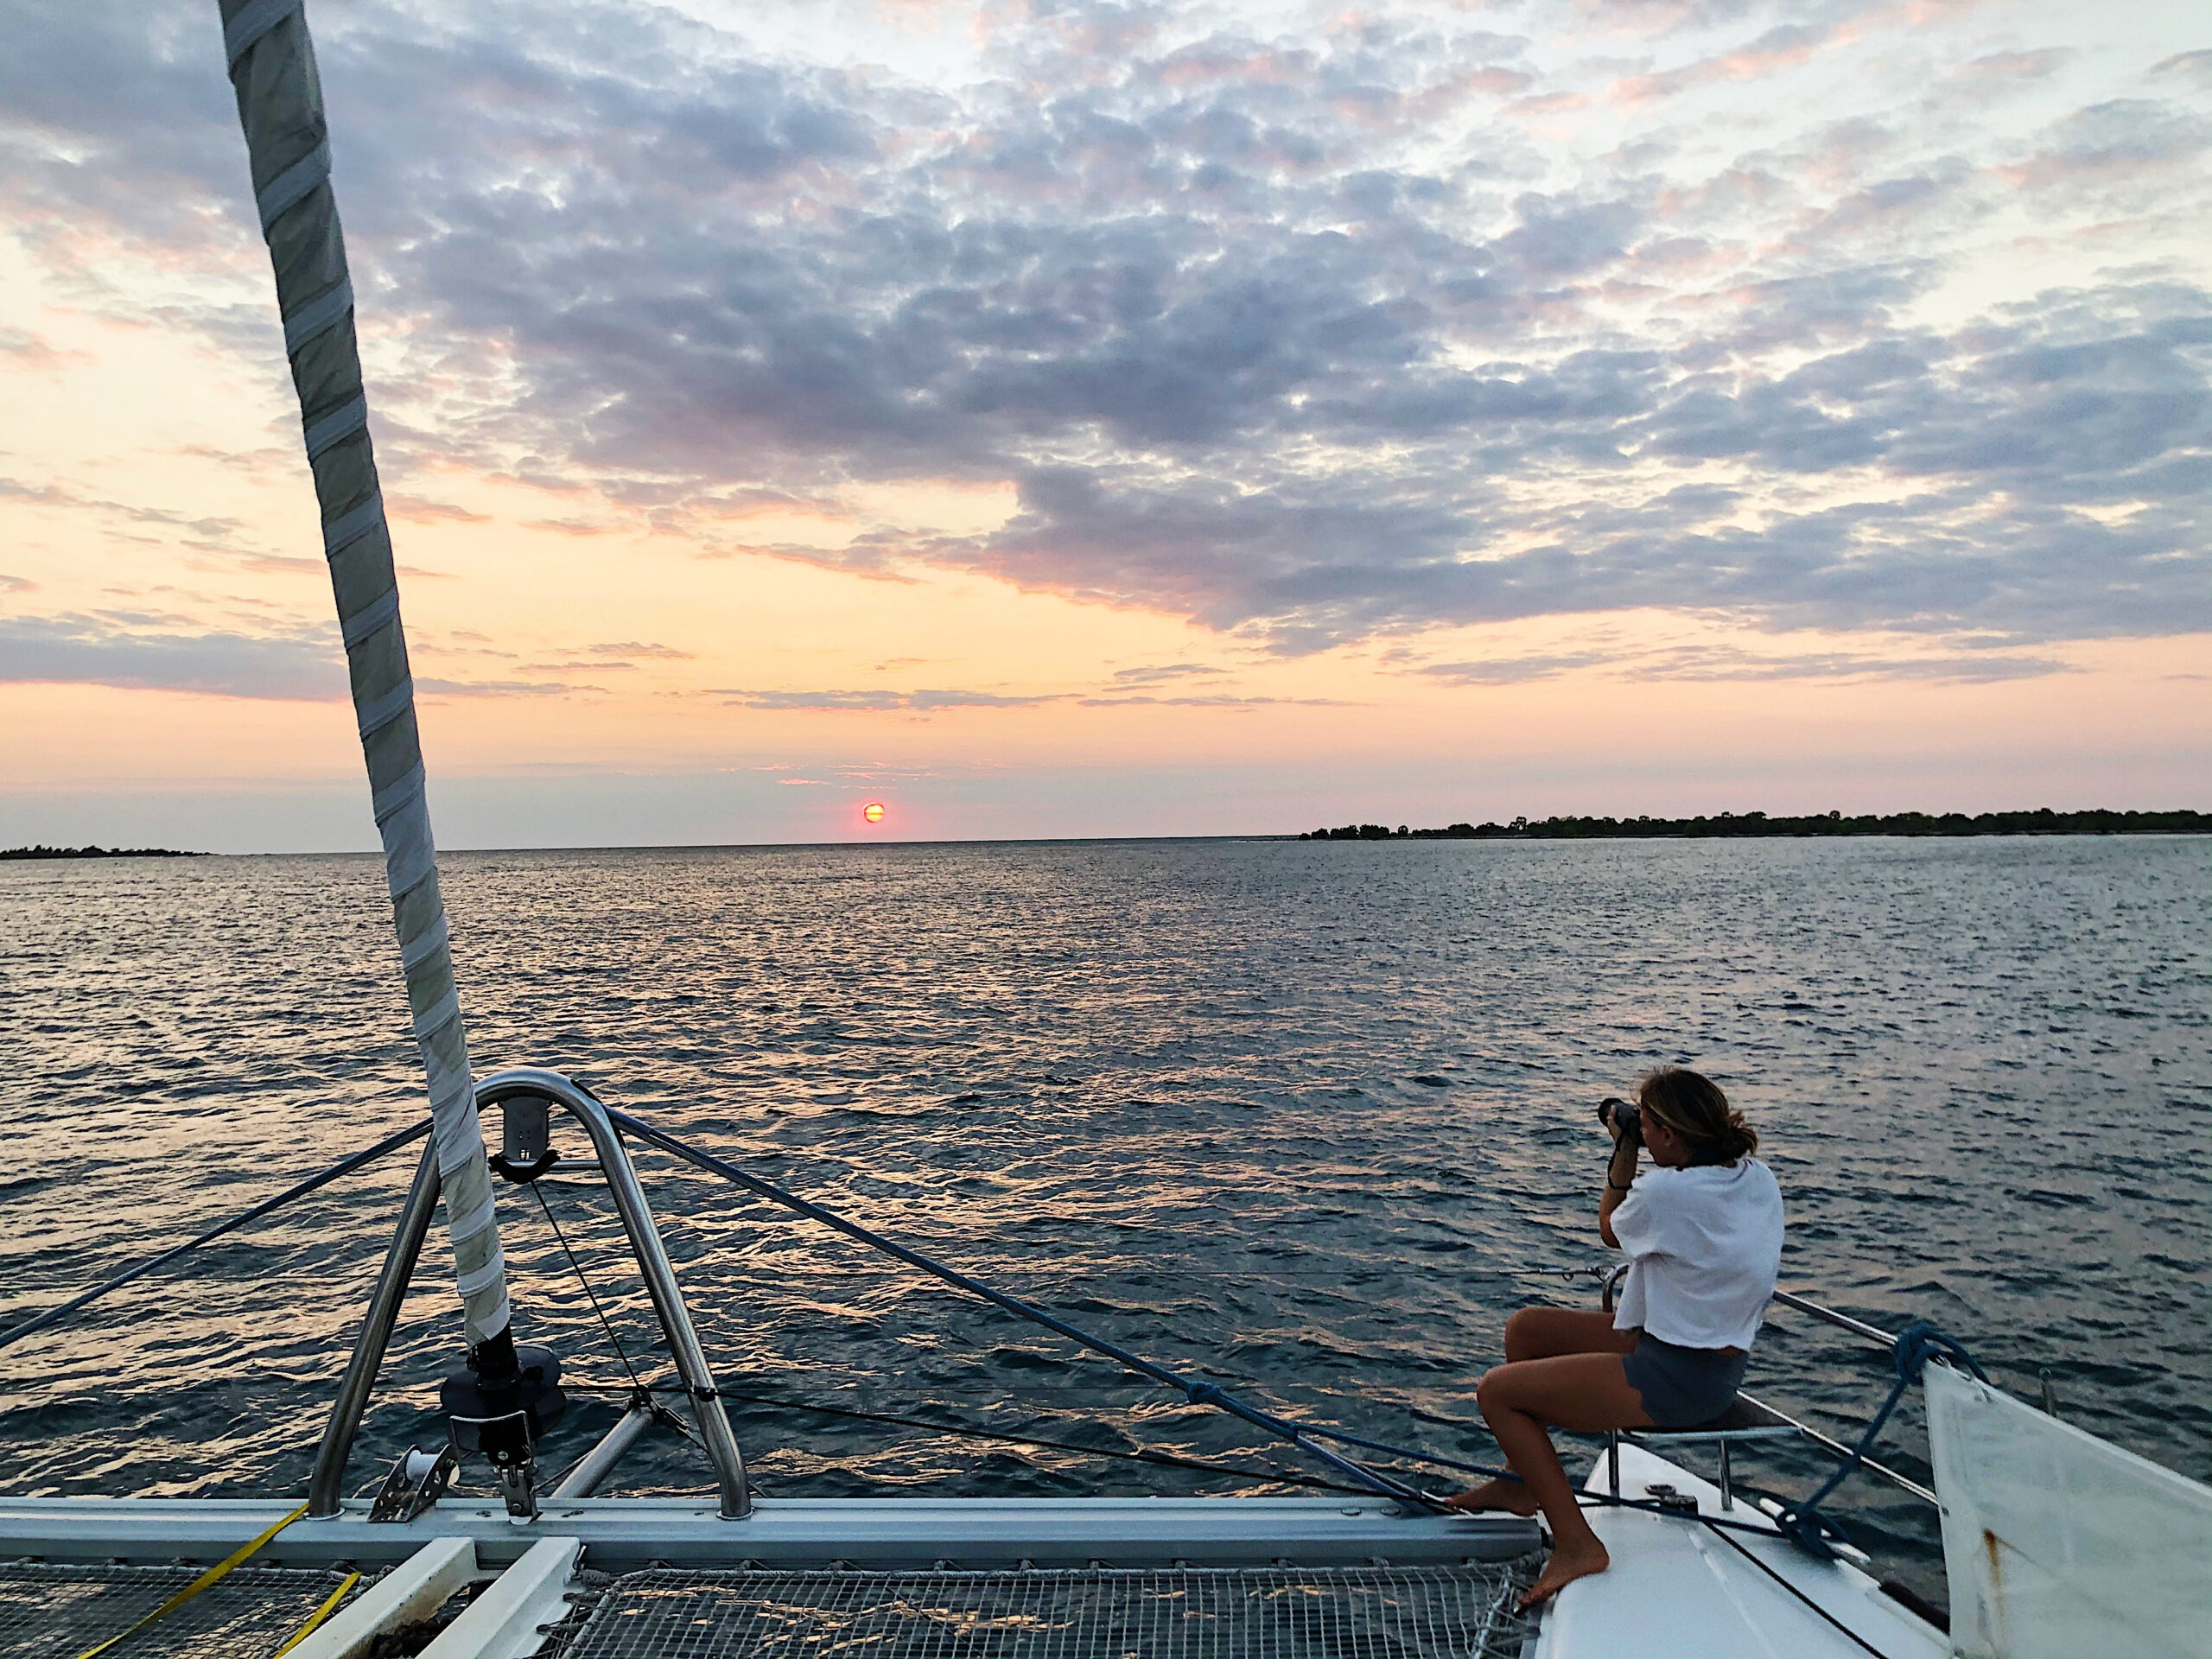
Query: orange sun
x,y
873,811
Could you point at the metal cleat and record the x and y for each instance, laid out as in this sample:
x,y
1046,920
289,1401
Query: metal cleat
x,y
417,1480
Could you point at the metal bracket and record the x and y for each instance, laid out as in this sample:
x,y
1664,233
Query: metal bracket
x,y
511,1447
417,1480
326,1487
1613,1284
1671,1501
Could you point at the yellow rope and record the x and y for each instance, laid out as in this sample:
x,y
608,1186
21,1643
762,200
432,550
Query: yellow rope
x,y
220,1570
315,1618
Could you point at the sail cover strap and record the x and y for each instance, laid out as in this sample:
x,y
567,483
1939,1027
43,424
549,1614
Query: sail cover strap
x,y
280,106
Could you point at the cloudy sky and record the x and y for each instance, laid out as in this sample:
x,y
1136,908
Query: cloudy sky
x,y
1068,418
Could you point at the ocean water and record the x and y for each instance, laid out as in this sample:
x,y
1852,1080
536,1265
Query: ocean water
x,y
1311,1119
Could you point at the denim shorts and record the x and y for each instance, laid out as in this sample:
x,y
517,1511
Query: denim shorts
x,y
1682,1388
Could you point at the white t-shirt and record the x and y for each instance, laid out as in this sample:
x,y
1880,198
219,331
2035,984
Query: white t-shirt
x,y
1704,1245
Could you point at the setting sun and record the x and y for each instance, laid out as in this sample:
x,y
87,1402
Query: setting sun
x,y
873,811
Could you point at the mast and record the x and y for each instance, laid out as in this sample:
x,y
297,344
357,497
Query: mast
x,y
288,144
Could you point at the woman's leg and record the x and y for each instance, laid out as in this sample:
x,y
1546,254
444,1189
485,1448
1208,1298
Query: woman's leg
x,y
1578,1391
1544,1334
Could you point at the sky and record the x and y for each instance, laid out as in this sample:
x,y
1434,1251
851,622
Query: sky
x,y
1069,419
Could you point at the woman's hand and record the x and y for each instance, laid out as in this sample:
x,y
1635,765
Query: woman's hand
x,y
1611,1118
1620,1170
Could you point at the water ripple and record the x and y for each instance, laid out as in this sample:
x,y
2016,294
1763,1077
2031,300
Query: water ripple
x,y
1299,1116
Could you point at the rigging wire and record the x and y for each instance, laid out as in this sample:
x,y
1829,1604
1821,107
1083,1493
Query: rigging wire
x,y
1803,1525
643,1393
1164,1459
576,1268
1816,1607
53,1316
1198,1393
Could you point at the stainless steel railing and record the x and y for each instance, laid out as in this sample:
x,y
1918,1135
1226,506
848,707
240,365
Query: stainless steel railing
x,y
326,1487
1858,1327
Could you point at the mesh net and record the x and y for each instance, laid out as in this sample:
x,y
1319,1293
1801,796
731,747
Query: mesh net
x,y
55,1612
1095,1613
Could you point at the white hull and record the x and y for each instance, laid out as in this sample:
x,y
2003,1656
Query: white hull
x,y
1677,1591
622,1533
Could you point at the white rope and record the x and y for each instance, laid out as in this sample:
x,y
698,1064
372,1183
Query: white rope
x,y
395,796
336,427
379,712
250,22
348,527
371,616
293,186
311,319
280,105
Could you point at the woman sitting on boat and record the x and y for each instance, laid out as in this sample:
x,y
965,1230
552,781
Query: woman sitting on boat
x,y
1703,1236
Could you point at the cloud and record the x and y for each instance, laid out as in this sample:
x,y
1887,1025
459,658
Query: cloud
x,y
2015,66
1728,662
919,701
2193,65
2118,146
572,527
436,688
1301,339
149,651
17,584
1782,47
205,532
30,351
1512,670
1734,662
1222,700
86,650
416,509
1134,676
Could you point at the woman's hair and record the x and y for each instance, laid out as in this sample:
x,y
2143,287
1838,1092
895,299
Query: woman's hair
x,y
1693,1108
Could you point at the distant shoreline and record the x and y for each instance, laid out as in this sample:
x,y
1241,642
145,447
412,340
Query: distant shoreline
x,y
2043,821
7,853
1719,826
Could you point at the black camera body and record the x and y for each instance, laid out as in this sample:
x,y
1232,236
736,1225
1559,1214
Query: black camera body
x,y
1623,1113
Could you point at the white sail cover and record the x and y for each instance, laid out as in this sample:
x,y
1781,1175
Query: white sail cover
x,y
280,105
2059,1545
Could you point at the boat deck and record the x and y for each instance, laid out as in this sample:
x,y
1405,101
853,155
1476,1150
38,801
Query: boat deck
x,y
58,1611
899,1578
623,1533
1198,1613
1679,1590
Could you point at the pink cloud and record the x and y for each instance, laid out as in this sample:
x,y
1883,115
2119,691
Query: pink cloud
x,y
1778,48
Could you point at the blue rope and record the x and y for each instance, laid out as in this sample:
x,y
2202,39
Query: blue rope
x,y
1802,1524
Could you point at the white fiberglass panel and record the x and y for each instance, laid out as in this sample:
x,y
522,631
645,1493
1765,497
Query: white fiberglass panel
x,y
1680,1589
2059,1545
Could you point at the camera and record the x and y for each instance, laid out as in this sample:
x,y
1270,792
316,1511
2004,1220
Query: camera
x,y
1622,1113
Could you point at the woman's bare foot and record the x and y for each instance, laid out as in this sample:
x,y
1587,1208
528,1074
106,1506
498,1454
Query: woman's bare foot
x,y
1508,1494
1569,1562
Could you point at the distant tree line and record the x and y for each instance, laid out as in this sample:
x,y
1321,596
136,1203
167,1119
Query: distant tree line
x,y
95,852
2041,822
